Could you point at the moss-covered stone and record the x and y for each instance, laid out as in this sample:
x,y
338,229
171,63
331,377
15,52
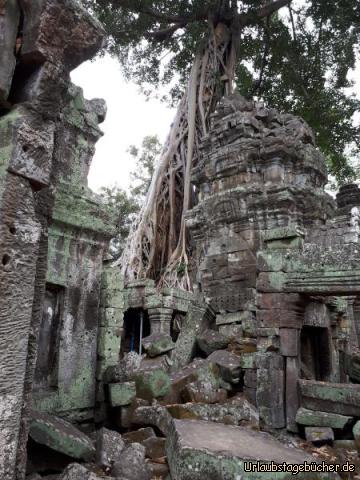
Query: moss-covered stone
x,y
356,433
122,394
313,418
60,436
331,397
157,344
197,450
152,384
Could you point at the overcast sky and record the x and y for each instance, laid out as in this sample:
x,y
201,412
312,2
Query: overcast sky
x,y
129,119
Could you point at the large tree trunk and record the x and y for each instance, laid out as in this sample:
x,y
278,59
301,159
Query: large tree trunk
x,y
158,244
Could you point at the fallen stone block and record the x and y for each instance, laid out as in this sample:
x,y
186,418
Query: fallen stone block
x,y
159,470
132,464
162,362
210,340
356,433
330,397
60,436
229,365
157,344
155,447
319,435
236,413
199,450
75,471
156,416
138,436
198,370
152,384
109,445
122,394
344,444
203,392
198,318
124,370
314,418
123,416
233,332
352,366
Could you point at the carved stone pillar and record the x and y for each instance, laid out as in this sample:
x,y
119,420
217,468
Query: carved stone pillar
x,y
160,320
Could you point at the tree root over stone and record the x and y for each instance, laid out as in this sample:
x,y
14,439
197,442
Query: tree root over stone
x,y
158,246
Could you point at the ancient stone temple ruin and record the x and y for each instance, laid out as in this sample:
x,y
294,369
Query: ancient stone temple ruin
x,y
103,378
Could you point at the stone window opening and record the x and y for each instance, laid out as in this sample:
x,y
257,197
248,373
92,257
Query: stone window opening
x,y
49,336
315,353
132,330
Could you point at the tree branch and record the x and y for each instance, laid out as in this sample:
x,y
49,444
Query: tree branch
x,y
165,34
249,18
264,62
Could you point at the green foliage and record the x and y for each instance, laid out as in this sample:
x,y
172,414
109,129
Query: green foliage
x,y
124,208
144,158
123,205
311,51
297,60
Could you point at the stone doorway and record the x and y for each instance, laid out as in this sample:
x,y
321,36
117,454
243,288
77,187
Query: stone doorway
x,y
132,330
315,353
46,374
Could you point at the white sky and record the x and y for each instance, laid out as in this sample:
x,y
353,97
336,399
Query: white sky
x,y
129,119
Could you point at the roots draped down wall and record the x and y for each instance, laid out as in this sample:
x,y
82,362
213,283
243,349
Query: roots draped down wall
x,y
158,244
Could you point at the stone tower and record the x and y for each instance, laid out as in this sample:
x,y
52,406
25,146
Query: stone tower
x,y
262,228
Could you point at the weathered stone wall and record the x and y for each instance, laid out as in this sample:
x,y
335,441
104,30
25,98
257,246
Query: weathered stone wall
x,y
40,42
78,237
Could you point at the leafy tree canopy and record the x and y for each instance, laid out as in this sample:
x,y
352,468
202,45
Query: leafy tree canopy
x,y
297,59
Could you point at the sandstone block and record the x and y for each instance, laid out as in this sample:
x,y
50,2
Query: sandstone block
x,y
122,394
132,464
197,450
203,392
109,445
313,418
156,416
356,433
340,398
236,412
138,436
75,471
60,436
155,447
210,340
229,364
157,344
152,384
319,435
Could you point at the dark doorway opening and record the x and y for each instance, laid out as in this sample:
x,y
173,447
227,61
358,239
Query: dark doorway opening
x,y
132,330
315,353
48,346
177,322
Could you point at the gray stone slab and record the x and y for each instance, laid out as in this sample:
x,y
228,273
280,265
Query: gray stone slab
x,y
61,436
330,397
200,450
314,418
